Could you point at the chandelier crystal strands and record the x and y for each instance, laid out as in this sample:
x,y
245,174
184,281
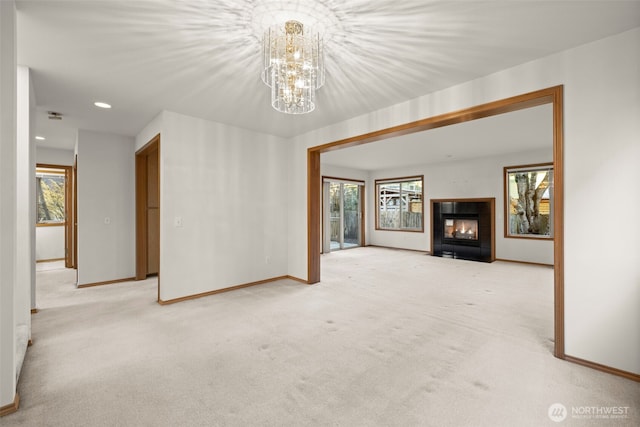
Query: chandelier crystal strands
x,y
293,67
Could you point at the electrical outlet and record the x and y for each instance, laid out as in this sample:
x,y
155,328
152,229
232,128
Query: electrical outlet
x,y
107,220
177,221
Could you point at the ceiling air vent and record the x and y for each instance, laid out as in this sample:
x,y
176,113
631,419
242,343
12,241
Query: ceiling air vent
x,y
54,116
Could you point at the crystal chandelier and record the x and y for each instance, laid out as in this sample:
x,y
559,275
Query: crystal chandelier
x,y
293,67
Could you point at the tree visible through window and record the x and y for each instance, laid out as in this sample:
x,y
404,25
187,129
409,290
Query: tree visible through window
x,y
399,204
529,201
50,195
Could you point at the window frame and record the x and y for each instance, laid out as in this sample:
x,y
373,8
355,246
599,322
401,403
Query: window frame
x,y
325,179
546,166
64,172
399,180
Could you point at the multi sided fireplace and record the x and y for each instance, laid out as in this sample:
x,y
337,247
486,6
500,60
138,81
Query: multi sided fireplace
x,y
463,228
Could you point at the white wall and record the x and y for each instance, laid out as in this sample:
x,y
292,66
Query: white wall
x,y
342,172
32,197
153,128
480,177
602,149
228,186
54,156
106,191
49,243
25,217
601,137
8,185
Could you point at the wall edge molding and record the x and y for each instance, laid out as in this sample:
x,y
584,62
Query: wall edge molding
x,y
542,264
108,282
12,407
228,289
603,368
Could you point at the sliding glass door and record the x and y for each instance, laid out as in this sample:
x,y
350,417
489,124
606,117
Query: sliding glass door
x,y
342,215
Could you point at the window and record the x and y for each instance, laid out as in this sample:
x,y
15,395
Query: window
x,y
399,204
529,201
50,196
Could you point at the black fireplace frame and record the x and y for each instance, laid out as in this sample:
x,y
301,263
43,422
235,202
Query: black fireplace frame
x,y
483,210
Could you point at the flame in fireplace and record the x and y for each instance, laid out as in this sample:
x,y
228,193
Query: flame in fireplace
x,y
461,229
465,228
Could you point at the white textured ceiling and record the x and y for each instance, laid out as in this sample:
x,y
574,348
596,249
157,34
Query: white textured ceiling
x,y
202,57
519,131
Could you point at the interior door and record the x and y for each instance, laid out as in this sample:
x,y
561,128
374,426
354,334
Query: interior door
x,y
74,213
68,208
153,213
148,210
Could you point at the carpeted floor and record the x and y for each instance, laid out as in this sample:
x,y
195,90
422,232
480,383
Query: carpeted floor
x,y
389,337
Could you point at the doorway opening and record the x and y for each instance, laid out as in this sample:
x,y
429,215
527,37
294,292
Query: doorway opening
x,y
343,218
552,95
54,216
148,211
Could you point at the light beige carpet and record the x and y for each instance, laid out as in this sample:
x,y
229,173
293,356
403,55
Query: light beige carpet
x,y
388,337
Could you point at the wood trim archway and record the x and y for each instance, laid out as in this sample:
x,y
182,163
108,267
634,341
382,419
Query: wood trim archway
x,y
552,95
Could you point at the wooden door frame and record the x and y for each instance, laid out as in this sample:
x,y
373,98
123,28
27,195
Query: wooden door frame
x,y
552,95
361,184
69,217
74,215
141,206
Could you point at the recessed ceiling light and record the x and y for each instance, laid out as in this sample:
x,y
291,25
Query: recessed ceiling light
x,y
102,104
40,138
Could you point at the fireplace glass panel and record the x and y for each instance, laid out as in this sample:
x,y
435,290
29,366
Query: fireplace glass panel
x,y
461,229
